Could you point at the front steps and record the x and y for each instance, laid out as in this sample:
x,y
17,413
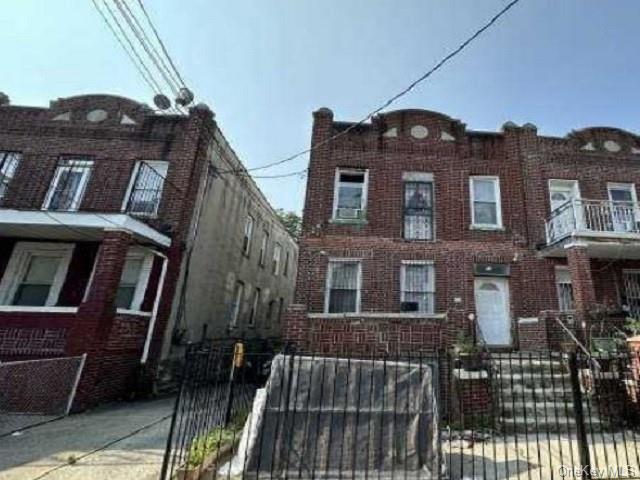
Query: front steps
x,y
535,395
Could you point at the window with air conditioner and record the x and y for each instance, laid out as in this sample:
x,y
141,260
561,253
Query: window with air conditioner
x,y
343,286
418,209
417,287
8,166
35,274
68,184
350,195
145,188
486,210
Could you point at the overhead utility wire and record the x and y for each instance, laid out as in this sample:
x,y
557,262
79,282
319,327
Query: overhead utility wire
x,y
149,80
391,100
144,45
157,54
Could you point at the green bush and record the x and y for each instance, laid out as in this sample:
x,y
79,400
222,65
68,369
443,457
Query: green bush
x,y
215,440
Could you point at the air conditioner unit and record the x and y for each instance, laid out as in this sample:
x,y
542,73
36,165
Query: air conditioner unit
x,y
350,213
409,306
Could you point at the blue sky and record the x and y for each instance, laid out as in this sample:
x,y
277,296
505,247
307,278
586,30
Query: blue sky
x,y
264,65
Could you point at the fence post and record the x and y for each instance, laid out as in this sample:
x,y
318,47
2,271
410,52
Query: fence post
x,y
236,362
583,446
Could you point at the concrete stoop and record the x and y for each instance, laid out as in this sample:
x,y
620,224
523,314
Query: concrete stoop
x,y
535,396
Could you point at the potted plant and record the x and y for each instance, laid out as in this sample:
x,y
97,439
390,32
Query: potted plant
x,y
467,352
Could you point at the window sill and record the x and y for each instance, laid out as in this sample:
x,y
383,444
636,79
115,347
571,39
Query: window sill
x,y
487,228
400,315
348,221
22,308
137,313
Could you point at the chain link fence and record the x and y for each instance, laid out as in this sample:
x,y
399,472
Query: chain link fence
x,y
36,391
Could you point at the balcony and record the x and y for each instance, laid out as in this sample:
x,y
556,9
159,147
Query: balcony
x,y
77,207
609,227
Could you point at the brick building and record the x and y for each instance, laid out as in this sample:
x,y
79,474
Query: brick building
x,y
416,229
110,239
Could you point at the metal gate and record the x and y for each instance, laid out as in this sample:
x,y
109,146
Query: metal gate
x,y
241,414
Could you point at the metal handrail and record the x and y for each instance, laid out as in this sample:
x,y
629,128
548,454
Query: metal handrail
x,y
579,343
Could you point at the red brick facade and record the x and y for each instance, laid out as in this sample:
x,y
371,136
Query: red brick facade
x,y
84,319
523,161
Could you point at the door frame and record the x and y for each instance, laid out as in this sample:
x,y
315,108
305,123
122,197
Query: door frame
x,y
508,312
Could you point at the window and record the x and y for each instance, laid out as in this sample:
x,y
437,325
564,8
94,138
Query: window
x,y
286,264
68,185
485,202
263,248
418,210
253,315
271,308
277,253
564,289
350,194
631,279
35,274
8,165
145,188
417,287
237,304
248,232
280,310
343,286
134,280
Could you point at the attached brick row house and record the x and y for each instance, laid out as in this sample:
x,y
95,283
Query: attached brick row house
x,y
119,239
417,230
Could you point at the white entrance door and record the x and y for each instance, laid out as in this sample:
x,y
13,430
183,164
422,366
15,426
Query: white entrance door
x,y
562,192
492,310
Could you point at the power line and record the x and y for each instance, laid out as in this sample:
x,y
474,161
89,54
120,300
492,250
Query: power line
x,y
148,80
164,49
398,95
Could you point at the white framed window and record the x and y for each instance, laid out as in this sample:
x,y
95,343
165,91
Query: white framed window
x,y
146,185
8,166
236,306
285,270
35,274
344,278
486,211
134,279
417,286
350,194
255,305
263,248
68,184
564,289
418,206
277,253
248,234
624,206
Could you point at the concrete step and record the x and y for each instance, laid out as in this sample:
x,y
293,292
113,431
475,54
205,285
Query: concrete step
x,y
515,366
542,410
520,424
519,393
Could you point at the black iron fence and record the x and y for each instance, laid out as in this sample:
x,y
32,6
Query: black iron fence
x,y
251,412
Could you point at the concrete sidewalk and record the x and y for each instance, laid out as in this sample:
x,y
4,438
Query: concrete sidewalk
x,y
119,441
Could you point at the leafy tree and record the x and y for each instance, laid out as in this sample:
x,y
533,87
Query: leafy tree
x,y
291,221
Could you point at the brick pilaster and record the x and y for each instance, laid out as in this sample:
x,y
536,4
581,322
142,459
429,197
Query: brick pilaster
x,y
584,293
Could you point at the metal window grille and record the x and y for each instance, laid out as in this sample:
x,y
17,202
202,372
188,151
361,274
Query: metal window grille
x,y
344,279
418,291
418,210
632,292
8,165
146,192
69,184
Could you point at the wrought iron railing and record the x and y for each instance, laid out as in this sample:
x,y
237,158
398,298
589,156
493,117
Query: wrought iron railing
x,y
592,216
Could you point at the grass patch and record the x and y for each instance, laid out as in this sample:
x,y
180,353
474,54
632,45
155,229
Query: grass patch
x,y
215,440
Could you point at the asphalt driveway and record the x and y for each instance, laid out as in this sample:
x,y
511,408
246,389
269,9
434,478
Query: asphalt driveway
x,y
119,441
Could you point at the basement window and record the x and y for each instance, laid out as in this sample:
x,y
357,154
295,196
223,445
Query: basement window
x,y
344,279
8,166
417,287
350,194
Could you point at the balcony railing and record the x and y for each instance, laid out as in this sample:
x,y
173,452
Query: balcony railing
x,y
582,216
